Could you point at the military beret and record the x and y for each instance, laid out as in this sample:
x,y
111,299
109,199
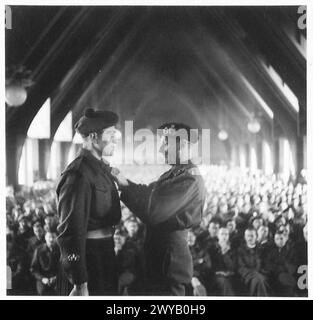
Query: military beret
x,y
170,128
93,121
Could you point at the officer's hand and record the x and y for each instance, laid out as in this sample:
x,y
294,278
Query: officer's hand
x,y
119,177
80,290
45,281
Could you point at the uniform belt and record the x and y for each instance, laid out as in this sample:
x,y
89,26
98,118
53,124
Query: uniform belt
x,y
103,233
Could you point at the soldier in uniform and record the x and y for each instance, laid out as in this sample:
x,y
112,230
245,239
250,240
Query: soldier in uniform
x,y
89,208
44,266
168,207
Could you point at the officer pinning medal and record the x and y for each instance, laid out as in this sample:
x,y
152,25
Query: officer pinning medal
x,y
169,207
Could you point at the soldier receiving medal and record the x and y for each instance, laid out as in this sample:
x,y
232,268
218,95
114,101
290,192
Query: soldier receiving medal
x,y
89,209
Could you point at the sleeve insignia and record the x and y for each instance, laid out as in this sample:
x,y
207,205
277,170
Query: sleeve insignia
x,y
73,257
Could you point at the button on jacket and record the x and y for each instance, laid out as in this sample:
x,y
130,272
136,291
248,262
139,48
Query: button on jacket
x,y
87,200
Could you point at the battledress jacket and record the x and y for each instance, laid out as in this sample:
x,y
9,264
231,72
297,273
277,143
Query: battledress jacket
x,y
87,200
168,207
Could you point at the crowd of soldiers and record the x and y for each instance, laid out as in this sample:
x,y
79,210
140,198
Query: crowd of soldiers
x,y
252,240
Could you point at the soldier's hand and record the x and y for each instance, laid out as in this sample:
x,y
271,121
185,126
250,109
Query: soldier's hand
x,y
199,291
80,290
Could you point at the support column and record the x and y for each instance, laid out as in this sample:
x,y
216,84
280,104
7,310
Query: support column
x,y
242,156
64,149
305,164
44,146
234,155
14,147
247,154
302,131
259,155
276,156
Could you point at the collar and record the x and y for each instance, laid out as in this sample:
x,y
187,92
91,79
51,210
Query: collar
x,y
175,170
189,163
94,162
182,166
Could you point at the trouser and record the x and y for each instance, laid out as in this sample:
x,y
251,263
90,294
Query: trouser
x,y
101,267
165,287
284,285
44,290
224,286
257,284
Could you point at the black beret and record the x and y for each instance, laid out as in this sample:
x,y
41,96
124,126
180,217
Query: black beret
x,y
93,121
170,128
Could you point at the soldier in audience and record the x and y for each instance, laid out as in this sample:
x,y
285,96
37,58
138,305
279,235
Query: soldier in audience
x,y
265,243
44,266
281,266
223,259
201,267
37,239
129,265
208,238
234,237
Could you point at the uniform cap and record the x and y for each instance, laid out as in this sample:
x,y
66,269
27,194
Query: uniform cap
x,y
93,121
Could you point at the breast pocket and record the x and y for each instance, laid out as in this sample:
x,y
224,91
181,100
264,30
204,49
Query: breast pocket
x,y
102,201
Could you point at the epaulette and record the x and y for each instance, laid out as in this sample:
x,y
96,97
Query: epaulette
x,y
73,166
178,172
194,171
